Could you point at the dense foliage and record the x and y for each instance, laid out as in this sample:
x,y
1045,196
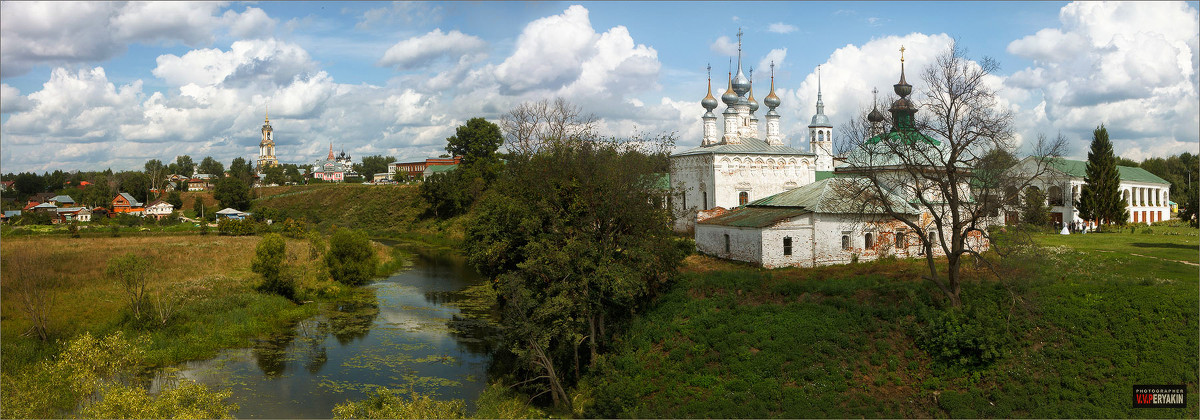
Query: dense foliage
x,y
576,237
1034,210
350,258
268,262
232,193
1101,199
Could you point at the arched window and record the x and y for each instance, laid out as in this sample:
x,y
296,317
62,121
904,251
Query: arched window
x,y
846,242
868,241
704,196
900,239
726,243
932,238
787,246
743,198
820,136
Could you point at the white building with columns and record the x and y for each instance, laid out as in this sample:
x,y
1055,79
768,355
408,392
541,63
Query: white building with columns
x,y
1147,196
740,164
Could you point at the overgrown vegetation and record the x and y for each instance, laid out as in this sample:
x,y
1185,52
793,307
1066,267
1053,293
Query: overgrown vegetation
x,y
1065,338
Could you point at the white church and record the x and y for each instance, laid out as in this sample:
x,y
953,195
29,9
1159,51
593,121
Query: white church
x,y
750,197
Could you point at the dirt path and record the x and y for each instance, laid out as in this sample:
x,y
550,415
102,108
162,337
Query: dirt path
x,y
1157,258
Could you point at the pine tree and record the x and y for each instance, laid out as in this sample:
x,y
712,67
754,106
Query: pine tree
x,y
1101,199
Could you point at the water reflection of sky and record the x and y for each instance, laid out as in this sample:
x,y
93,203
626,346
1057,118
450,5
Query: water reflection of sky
x,y
323,362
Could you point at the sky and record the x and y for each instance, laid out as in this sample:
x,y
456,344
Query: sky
x,y
92,85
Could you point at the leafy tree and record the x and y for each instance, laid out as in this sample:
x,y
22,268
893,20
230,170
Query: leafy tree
x,y
292,172
183,165
274,175
136,184
233,193
448,193
1034,209
268,262
242,170
372,165
176,199
29,183
477,140
1124,161
1188,205
95,195
1101,199
350,258
55,180
187,400
577,240
212,167
201,212
133,274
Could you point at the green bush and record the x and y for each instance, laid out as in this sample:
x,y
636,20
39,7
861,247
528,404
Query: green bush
x,y
292,229
234,227
968,338
268,262
350,258
389,404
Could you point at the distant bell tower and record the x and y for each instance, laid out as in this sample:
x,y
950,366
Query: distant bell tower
x,y
266,148
820,133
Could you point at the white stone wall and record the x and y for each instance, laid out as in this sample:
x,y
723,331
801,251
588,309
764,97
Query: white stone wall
x,y
722,177
745,244
816,240
1145,200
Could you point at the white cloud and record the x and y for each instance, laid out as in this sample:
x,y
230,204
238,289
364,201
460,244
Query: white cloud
x,y
776,56
419,51
724,46
781,28
252,23
1129,66
12,101
400,12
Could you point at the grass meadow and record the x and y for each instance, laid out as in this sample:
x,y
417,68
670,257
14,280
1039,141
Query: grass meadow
x,y
1073,325
207,278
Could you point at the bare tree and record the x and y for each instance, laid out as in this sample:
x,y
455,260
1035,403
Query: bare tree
x,y
32,284
947,165
531,124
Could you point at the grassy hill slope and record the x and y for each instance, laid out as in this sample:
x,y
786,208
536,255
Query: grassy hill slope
x,y
382,210
1075,328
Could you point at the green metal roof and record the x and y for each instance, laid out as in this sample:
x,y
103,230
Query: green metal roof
x,y
824,175
1078,168
435,169
831,195
749,145
755,217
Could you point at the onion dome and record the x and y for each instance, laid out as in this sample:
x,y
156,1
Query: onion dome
x,y
875,116
729,97
772,101
741,85
753,103
903,89
709,102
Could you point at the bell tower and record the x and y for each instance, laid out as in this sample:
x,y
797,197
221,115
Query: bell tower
x,y
266,147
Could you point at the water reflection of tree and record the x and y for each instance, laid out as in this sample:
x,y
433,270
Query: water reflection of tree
x,y
474,334
351,318
310,344
271,354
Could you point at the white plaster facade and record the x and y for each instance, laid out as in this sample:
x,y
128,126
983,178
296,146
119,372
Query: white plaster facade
x,y
160,209
728,180
1147,196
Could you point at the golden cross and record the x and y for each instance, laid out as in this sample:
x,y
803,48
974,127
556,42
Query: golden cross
x,y
901,53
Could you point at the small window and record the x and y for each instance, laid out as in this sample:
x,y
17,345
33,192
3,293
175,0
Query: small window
x,y
846,242
704,195
743,198
900,239
932,238
869,241
726,243
787,246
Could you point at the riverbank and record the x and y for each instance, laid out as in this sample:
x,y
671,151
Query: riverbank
x,y
200,289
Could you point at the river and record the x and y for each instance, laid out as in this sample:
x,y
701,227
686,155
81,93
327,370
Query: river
x,y
403,331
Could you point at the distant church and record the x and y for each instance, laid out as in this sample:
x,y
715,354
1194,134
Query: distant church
x,y
334,168
749,197
266,147
739,166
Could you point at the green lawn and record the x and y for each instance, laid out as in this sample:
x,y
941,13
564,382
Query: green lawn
x,y
1075,330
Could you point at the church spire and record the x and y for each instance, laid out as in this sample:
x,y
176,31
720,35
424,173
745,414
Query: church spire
x,y
820,119
267,114
330,150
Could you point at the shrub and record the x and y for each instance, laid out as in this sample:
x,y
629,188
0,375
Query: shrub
x,y
350,258
268,262
133,274
970,338
73,229
234,227
292,229
388,404
316,245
